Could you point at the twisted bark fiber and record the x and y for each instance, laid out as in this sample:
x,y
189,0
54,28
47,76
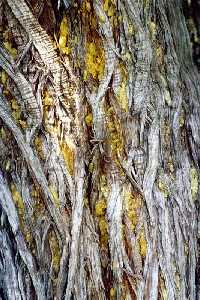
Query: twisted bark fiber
x,y
99,150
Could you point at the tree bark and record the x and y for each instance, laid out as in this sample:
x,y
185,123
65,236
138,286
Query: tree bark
x,y
99,150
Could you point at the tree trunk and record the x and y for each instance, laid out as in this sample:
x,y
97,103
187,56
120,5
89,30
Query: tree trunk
x,y
99,150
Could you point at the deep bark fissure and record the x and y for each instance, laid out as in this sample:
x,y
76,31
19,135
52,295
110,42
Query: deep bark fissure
x,y
101,191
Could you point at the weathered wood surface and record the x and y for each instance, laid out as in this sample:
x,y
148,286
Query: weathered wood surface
x,y
99,150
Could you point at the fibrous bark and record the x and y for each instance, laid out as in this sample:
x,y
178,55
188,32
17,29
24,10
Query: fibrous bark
x,y
99,150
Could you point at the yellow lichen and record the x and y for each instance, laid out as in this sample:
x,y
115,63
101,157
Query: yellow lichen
x,y
55,251
143,243
122,92
39,208
89,119
101,19
88,6
28,237
160,55
38,204
85,201
91,167
85,75
186,249
67,150
4,77
54,193
8,165
109,8
39,146
120,18
104,189
111,11
122,97
115,138
47,100
181,120
132,205
163,188
167,131
112,292
23,124
94,52
115,22
16,113
34,193
130,29
11,50
116,143
103,227
53,129
170,166
63,38
152,29
17,199
127,56
194,182
51,124
95,59
19,204
100,208
106,5
15,105
2,133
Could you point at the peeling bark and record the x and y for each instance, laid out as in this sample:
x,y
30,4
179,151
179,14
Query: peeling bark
x,y
99,150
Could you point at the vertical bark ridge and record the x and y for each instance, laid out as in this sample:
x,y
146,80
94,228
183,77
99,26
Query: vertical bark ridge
x,y
116,155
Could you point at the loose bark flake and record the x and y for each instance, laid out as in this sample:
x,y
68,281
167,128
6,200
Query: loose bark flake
x,y
99,150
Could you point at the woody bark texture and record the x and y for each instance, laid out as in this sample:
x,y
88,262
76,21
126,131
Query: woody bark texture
x,y
99,150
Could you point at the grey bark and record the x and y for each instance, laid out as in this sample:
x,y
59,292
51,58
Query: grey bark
x,y
122,223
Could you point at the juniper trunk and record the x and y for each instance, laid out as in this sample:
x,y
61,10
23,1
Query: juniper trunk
x,y
99,150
